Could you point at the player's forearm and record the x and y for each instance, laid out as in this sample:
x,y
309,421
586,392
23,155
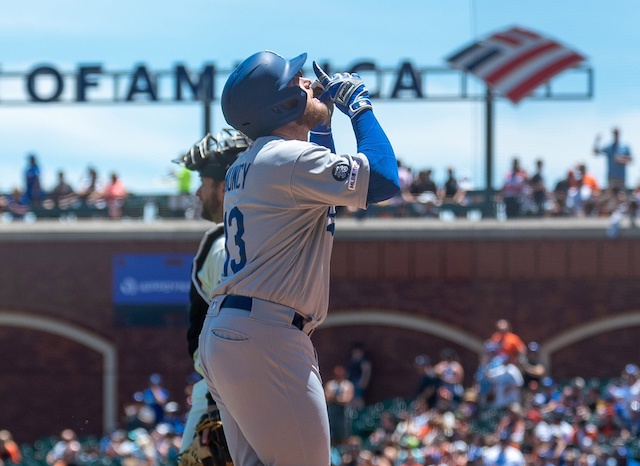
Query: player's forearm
x,y
373,142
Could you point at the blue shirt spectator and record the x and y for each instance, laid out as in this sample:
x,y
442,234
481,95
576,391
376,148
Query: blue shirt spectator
x,y
618,157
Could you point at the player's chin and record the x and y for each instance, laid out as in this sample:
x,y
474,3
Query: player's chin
x,y
314,114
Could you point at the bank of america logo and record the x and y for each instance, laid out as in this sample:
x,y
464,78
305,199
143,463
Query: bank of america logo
x,y
515,62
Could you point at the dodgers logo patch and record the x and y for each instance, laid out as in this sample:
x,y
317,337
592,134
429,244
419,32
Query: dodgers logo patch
x,y
341,172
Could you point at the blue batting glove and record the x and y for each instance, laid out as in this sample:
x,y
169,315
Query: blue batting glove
x,y
347,91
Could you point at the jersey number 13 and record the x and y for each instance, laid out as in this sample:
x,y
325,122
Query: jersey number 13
x,y
234,245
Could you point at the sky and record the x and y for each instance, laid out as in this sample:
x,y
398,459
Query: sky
x,y
139,141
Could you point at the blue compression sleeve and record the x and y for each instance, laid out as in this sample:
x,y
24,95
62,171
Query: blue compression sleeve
x,y
373,142
323,138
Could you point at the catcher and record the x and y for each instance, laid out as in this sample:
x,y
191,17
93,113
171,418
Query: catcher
x,y
203,441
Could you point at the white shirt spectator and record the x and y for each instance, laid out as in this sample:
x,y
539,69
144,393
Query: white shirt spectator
x,y
506,380
502,455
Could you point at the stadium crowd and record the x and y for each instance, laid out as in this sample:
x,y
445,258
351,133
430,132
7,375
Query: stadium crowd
x,y
521,193
513,413
23,203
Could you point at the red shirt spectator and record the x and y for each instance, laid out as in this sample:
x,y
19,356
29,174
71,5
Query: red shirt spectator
x,y
509,344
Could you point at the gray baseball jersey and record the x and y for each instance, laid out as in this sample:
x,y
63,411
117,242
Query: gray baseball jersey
x,y
280,219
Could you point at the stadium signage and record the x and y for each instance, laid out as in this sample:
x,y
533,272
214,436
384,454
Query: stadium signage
x,y
92,83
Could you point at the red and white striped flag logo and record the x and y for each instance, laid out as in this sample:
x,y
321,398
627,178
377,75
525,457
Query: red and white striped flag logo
x,y
515,62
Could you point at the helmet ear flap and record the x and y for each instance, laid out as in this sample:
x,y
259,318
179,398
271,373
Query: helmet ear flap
x,y
293,100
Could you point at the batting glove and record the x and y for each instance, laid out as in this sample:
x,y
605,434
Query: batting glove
x,y
346,90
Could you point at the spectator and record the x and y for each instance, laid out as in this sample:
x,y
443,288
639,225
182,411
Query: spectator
x,y
143,451
538,190
429,382
506,381
618,157
9,449
359,373
383,435
62,194
632,205
138,413
117,447
450,191
451,375
66,451
583,199
156,397
626,392
339,393
459,451
173,420
561,193
90,189
423,183
166,444
512,424
465,184
33,192
549,391
114,195
554,425
481,385
533,369
16,204
613,200
514,189
404,197
551,447
508,343
354,455
416,422
424,192
585,433
500,452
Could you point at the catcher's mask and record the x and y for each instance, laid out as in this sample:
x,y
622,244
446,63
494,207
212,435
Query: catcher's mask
x,y
212,156
257,99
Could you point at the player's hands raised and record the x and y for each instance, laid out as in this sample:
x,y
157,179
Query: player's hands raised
x,y
346,90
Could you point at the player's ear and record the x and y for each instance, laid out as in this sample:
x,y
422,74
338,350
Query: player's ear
x,y
220,188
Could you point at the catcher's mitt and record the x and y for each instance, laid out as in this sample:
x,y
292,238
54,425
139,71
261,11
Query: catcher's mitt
x,y
209,446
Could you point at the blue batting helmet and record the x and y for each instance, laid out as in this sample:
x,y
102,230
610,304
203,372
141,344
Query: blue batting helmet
x,y
256,98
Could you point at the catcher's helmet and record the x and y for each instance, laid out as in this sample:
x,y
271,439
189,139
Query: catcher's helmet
x,y
212,156
256,99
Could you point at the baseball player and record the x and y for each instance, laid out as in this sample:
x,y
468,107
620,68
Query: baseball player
x,y
211,157
279,216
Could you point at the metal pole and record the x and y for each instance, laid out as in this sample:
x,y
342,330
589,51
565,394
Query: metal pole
x,y
207,115
489,209
489,140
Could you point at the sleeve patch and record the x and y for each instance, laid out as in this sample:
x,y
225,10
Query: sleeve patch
x,y
353,177
341,171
